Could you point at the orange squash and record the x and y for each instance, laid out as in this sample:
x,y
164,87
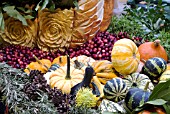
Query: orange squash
x,y
125,56
155,110
149,50
42,65
60,60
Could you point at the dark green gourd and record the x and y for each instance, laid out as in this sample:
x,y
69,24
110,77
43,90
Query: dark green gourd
x,y
115,89
154,67
53,67
136,97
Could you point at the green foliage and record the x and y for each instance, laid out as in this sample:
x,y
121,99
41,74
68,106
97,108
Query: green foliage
x,y
153,18
125,24
159,97
12,81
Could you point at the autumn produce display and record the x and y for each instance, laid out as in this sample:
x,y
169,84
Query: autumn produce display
x,y
77,57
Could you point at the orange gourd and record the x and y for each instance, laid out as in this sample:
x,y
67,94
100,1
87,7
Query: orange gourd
x,y
60,60
155,110
42,65
149,50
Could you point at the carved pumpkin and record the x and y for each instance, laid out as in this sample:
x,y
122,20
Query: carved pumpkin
x,y
149,50
125,56
65,77
108,12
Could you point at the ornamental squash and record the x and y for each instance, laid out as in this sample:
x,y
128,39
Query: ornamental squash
x,y
165,76
53,67
138,80
136,97
111,107
65,77
104,70
60,60
153,110
115,89
42,65
85,60
85,82
149,50
125,56
154,67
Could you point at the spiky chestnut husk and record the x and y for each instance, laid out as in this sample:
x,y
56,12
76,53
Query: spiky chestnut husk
x,y
85,98
39,84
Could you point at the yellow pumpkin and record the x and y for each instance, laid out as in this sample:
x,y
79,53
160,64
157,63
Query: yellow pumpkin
x,y
125,56
60,60
65,77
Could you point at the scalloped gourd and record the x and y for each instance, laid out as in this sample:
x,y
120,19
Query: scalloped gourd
x,y
115,89
138,80
125,56
111,107
65,77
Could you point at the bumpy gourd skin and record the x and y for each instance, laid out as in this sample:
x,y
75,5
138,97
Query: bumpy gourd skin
x,y
136,97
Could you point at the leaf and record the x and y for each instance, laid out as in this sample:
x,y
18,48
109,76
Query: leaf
x,y
44,4
157,102
38,6
2,23
158,89
12,12
165,94
28,17
167,108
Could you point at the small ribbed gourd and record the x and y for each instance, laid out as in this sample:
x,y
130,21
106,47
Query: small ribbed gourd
x,y
115,89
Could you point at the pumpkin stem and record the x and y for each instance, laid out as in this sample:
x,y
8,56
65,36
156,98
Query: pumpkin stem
x,y
143,60
157,42
60,60
68,68
40,62
146,86
78,65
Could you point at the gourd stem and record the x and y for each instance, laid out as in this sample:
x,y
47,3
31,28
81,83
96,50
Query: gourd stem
x,y
78,65
40,62
68,68
60,59
157,42
147,85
